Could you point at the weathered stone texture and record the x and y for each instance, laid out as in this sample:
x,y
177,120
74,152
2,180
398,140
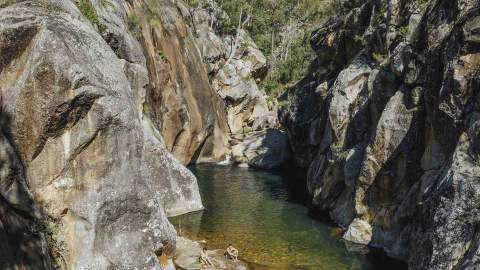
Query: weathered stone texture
x,y
80,136
387,126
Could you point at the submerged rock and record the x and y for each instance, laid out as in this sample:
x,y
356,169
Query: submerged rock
x,y
188,253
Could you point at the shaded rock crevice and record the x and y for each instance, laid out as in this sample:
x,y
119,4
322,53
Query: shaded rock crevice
x,y
385,128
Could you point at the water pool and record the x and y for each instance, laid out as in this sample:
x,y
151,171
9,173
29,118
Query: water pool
x,y
261,213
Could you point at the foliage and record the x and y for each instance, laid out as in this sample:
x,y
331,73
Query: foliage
x,y
324,93
193,3
88,11
291,69
403,32
161,54
271,86
337,150
380,13
49,227
45,225
270,16
106,3
266,22
360,39
380,58
476,159
422,3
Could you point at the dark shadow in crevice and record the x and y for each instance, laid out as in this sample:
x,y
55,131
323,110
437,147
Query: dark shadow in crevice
x,y
22,245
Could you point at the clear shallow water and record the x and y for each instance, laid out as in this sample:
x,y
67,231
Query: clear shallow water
x,y
260,214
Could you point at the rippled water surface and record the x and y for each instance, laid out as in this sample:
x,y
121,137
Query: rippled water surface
x,y
259,214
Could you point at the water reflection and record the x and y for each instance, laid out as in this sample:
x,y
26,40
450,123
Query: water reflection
x,y
263,215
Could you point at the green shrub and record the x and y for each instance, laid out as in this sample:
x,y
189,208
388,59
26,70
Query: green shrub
x,y
337,150
271,87
360,39
88,11
106,3
324,93
267,17
404,32
296,65
380,58
193,3
45,225
161,54
423,3
381,13
270,18
290,70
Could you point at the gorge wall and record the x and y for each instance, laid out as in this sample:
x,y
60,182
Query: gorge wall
x,y
87,179
101,104
236,66
387,123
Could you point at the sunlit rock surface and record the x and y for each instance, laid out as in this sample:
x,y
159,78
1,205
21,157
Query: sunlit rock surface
x,y
188,254
77,131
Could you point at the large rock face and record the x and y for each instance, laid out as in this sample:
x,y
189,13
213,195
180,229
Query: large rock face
x,y
84,165
266,149
235,66
387,125
180,100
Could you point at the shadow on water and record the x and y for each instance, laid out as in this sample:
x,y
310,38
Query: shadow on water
x,y
264,214
293,182
290,181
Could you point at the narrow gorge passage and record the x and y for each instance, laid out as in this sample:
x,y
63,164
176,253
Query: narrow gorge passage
x,y
264,215
105,103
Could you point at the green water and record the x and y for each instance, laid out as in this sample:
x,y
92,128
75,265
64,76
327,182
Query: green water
x,y
260,213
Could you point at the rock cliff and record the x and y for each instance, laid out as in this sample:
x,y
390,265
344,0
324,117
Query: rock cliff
x,y
387,124
180,100
236,67
87,179
101,103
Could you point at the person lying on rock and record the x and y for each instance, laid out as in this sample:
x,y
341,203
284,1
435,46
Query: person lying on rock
x,y
231,253
204,259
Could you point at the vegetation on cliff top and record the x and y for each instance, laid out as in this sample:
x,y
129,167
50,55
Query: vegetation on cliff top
x,y
281,29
